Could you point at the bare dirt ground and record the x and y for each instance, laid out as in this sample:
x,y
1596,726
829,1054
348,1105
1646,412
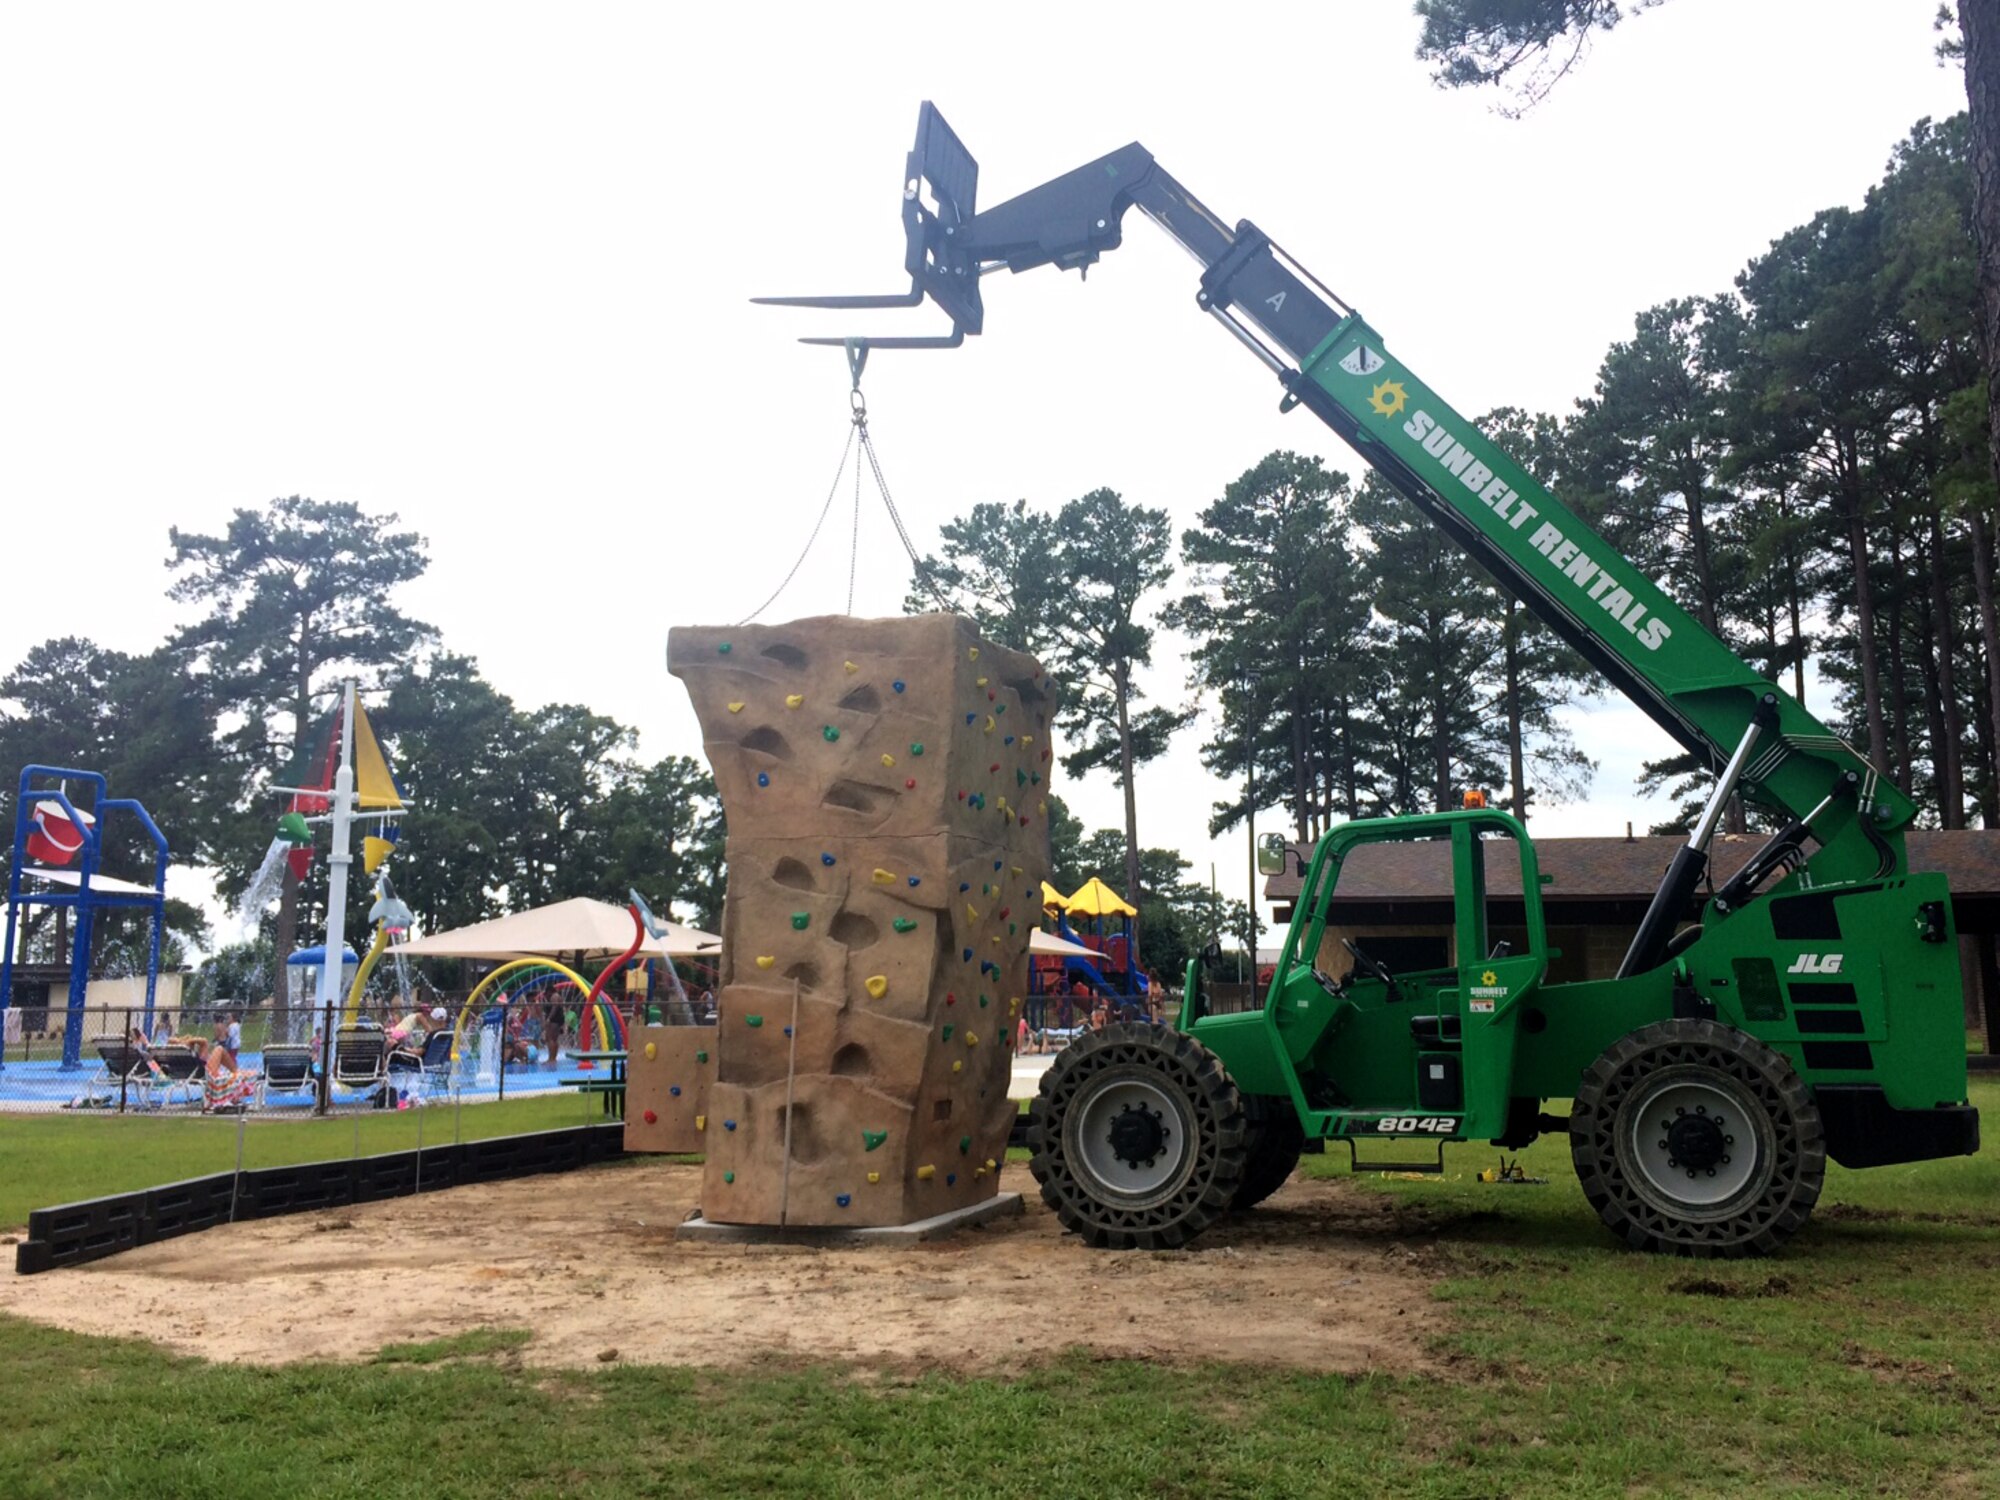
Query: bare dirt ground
x,y
1325,1276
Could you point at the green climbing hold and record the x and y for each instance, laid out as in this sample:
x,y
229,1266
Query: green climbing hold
x,y
759,1020
947,1033
829,734
903,924
916,747
801,920
1010,929
983,1002
728,1176
723,649
701,1057
965,1145
870,1139
1020,777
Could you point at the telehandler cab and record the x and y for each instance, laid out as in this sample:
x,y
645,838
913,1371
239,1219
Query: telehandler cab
x,y
1814,1010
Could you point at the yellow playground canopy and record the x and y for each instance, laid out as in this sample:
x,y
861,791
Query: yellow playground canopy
x,y
1052,899
577,928
1096,899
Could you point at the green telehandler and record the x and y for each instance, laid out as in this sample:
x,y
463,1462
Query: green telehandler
x,y
1813,1010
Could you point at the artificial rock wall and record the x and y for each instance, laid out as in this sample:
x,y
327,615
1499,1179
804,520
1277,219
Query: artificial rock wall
x,y
667,1074
884,783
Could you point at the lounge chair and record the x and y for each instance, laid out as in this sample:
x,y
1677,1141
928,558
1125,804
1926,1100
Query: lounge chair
x,y
288,1070
405,1069
360,1059
120,1066
438,1062
177,1073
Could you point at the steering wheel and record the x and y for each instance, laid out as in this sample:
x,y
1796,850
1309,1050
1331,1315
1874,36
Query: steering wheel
x,y
1373,965
1328,983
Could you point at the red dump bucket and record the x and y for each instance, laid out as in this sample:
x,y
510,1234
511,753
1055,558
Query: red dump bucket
x,y
54,839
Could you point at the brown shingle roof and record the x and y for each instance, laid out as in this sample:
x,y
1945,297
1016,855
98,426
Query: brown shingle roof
x,y
1613,869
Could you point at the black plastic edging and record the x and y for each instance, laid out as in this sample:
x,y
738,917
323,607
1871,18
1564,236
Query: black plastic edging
x,y
72,1234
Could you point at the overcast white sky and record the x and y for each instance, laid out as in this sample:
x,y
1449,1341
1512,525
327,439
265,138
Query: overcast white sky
x,y
487,266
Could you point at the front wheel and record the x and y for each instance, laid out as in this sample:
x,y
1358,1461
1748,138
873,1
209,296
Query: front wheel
x,y
1138,1137
1696,1138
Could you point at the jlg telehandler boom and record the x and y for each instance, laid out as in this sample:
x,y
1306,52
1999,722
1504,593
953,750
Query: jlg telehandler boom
x,y
1815,1011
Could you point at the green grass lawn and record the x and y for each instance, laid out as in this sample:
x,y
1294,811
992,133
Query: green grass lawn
x,y
1863,1360
58,1158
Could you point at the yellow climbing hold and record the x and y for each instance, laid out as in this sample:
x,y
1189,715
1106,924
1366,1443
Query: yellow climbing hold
x,y
972,911
701,1122
878,985
958,1066
850,666
990,1165
989,723
888,760
972,653
874,1177
793,700
736,708
766,960
883,877
971,1040
652,1051
926,1172
982,681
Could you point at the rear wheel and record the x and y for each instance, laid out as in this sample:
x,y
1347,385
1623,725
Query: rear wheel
x,y
1271,1149
1696,1138
1138,1137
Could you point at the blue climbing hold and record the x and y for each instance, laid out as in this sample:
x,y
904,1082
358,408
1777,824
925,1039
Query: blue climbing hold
x,y
965,885
950,1178
996,864
763,778
728,1124
826,859
916,880
1008,740
970,717
968,955
846,1198
898,686
675,1091
788,1032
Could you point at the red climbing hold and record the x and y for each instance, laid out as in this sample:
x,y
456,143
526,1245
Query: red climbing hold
x,y
651,1118
911,784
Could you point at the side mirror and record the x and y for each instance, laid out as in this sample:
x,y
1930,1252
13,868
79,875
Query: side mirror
x,y
1273,851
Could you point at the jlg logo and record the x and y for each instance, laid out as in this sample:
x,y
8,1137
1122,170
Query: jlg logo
x,y
1816,963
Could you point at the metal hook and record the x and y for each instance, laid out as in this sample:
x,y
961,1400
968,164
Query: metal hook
x,y
857,358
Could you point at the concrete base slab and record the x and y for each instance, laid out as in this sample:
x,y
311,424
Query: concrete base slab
x,y
1001,1206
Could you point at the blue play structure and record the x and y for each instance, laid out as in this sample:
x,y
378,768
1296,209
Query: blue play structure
x,y
43,794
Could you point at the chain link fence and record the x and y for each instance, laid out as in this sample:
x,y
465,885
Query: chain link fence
x,y
316,1061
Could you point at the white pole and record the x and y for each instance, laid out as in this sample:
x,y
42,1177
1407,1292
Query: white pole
x,y
338,861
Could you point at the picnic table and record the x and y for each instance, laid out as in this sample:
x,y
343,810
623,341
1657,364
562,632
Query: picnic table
x,y
609,1085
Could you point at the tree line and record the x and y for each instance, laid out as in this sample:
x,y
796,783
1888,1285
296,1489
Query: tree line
x,y
508,807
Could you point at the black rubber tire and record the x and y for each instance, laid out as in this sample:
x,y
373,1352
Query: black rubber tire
x,y
1202,1178
1271,1149
1782,1183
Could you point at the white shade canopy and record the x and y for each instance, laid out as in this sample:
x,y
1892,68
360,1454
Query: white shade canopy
x,y
577,928
1048,942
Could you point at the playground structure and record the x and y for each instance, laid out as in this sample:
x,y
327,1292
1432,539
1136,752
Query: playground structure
x,y
50,830
883,782
1107,929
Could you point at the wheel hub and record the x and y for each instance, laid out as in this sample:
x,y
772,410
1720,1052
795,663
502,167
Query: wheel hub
x,y
1137,1136
1696,1141
1692,1144
1131,1137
